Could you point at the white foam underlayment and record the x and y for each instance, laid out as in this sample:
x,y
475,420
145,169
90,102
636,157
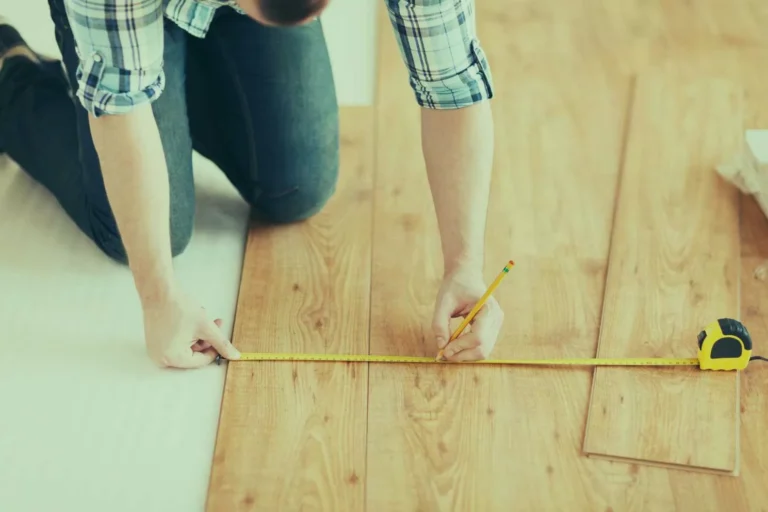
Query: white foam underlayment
x,y
87,422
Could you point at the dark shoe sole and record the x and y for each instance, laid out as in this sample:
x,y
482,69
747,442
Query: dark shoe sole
x,y
9,38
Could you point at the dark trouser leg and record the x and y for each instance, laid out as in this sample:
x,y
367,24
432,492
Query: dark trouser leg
x,y
262,106
46,131
37,130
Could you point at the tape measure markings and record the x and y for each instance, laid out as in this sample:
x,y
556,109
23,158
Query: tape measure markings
x,y
363,358
725,344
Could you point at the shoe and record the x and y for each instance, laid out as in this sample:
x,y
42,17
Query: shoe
x,y
9,37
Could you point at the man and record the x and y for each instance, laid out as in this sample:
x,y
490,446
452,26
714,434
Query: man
x,y
248,84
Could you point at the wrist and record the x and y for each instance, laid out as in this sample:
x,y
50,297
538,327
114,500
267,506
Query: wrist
x,y
470,265
154,287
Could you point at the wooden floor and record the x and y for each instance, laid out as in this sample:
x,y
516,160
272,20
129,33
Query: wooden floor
x,y
610,117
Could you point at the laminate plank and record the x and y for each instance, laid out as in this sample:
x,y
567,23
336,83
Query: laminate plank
x,y
754,380
537,435
674,268
486,438
633,487
414,411
292,436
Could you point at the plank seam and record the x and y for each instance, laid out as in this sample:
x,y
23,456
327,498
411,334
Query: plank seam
x,y
664,465
628,115
374,155
235,318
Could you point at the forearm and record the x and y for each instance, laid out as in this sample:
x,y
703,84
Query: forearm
x,y
136,181
458,151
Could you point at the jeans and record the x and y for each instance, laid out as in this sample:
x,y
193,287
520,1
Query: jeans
x,y
259,102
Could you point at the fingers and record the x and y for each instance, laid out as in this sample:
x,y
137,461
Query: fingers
x,y
441,321
200,345
477,344
474,354
196,359
220,342
457,349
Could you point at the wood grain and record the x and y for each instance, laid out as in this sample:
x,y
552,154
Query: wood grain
x,y
754,380
674,268
632,487
465,438
429,448
292,436
489,438
415,418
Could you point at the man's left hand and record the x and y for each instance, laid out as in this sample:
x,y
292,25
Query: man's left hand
x,y
458,294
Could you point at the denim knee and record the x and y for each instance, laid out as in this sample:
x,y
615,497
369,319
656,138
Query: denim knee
x,y
107,238
300,203
181,233
111,244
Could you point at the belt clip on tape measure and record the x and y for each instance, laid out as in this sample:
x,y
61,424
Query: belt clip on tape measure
x,y
725,345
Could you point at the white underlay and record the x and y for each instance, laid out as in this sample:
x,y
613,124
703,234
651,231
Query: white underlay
x,y
87,423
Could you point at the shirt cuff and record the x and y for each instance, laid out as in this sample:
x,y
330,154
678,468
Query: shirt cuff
x,y
106,90
458,90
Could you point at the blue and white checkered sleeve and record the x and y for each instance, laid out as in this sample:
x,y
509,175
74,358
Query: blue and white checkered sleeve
x,y
447,66
120,46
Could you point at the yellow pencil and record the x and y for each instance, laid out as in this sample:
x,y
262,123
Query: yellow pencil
x,y
478,306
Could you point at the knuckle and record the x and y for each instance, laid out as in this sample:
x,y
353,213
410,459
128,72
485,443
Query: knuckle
x,y
172,359
156,357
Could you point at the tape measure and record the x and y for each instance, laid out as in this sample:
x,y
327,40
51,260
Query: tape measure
x,y
723,345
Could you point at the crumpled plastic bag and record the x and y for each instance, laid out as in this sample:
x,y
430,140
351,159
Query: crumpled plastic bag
x,y
741,171
746,171
749,174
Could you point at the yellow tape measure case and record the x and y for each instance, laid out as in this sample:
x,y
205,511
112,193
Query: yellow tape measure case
x,y
724,345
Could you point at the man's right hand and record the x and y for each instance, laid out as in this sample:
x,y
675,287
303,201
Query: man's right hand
x,y
179,334
176,329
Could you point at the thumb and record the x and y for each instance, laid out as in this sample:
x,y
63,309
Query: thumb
x,y
441,321
202,345
220,342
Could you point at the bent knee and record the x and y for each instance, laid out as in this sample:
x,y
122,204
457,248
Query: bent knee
x,y
181,235
305,199
104,233
298,205
107,238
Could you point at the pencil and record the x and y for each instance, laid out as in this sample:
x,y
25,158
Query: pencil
x,y
478,306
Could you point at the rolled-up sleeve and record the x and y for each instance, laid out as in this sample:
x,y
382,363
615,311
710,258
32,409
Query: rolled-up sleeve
x,y
439,45
120,46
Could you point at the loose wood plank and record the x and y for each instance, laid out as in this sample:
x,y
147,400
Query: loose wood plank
x,y
754,380
673,268
292,435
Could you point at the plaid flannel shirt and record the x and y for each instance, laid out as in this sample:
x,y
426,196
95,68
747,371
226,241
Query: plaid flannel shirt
x,y
120,46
